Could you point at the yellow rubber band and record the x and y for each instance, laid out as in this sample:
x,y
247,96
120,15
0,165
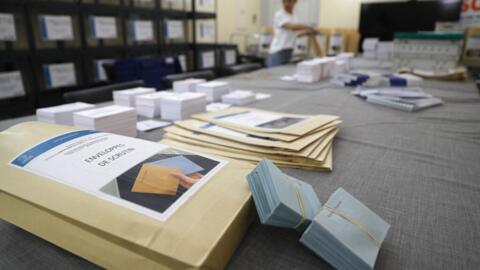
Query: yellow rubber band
x,y
300,203
354,222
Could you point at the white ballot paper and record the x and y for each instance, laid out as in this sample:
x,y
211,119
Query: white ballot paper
x,y
148,125
59,75
208,59
7,27
107,165
142,30
56,27
103,27
174,29
11,84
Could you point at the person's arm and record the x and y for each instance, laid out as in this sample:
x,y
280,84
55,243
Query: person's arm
x,y
304,30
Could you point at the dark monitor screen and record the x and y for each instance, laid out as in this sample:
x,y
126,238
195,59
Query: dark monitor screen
x,y
382,20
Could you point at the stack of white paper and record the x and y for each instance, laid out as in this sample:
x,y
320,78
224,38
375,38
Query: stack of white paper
x,y
384,50
179,106
63,114
316,69
239,97
347,58
114,119
214,90
188,85
369,47
127,97
149,105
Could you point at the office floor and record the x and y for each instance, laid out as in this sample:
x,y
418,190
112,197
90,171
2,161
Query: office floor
x,y
419,171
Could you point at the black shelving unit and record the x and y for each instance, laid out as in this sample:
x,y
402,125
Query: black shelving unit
x,y
32,53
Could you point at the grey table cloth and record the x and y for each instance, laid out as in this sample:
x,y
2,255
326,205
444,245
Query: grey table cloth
x,y
419,171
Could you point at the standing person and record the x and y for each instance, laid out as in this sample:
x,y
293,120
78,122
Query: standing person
x,y
286,30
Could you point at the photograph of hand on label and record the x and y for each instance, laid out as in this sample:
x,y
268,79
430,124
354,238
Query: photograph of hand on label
x,y
187,181
158,182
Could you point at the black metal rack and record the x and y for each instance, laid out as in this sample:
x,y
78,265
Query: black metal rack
x,y
33,53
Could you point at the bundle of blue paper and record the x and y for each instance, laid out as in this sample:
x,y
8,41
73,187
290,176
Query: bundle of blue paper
x,y
281,200
344,232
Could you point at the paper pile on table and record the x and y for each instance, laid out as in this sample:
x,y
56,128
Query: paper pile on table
x,y
217,106
276,197
408,99
384,50
115,119
239,97
63,114
179,106
343,231
373,79
289,140
188,85
316,69
369,47
214,90
347,58
127,97
149,105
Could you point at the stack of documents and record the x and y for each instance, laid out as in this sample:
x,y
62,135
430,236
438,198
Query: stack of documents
x,y
127,97
239,97
289,140
281,200
343,231
179,106
347,58
346,233
369,47
114,119
406,99
63,114
214,90
188,85
149,105
316,69
372,79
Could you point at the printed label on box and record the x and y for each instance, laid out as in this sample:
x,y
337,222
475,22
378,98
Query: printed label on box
x,y
56,27
59,75
11,84
208,60
142,30
149,178
103,27
174,29
7,27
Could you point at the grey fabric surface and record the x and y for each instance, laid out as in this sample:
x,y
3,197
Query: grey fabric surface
x,y
419,171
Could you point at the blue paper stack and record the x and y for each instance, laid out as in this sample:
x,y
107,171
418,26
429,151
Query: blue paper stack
x,y
346,233
281,200
343,231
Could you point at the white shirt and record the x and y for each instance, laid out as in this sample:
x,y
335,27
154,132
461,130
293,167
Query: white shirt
x,y
283,38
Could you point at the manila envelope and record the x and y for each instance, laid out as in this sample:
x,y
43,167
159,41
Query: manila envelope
x,y
157,180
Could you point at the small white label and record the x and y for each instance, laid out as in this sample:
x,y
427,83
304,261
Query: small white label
x,y
208,60
104,27
174,29
60,75
7,27
207,29
142,30
230,57
183,62
54,27
11,84
99,70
